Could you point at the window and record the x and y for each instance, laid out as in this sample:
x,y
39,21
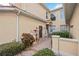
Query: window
x,y
62,14
52,17
63,28
46,15
53,28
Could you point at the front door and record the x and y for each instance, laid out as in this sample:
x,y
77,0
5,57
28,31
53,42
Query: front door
x,y
40,31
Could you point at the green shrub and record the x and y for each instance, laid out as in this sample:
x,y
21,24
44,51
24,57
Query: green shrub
x,y
45,52
10,49
27,39
62,34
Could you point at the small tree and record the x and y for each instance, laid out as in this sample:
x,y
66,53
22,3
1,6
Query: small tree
x,y
27,39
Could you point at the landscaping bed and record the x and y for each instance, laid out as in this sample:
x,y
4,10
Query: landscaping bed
x,y
62,34
44,52
12,48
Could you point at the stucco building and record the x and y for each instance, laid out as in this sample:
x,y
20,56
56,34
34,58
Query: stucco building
x,y
21,18
18,18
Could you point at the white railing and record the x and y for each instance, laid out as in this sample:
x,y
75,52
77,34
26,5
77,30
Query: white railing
x,y
65,46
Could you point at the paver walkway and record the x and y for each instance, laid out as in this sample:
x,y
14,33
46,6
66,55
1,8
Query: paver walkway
x,y
45,43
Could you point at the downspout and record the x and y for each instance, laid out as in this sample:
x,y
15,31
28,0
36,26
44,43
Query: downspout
x,y
17,29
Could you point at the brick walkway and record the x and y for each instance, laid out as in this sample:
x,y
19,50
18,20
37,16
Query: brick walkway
x,y
46,43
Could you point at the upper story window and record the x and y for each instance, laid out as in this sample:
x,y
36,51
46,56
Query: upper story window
x,y
52,17
46,15
62,14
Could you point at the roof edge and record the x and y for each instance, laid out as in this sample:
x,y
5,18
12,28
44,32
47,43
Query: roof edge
x,y
68,11
16,9
56,9
42,4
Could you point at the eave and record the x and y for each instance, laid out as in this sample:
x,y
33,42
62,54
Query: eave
x,y
68,11
16,9
42,4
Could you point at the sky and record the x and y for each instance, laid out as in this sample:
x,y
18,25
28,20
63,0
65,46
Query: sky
x,y
52,6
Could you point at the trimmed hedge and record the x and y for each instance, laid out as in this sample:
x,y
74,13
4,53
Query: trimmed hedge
x,y
45,52
10,49
62,34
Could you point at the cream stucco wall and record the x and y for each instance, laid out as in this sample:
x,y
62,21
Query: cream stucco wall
x,y
68,47
7,27
75,22
27,24
65,46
